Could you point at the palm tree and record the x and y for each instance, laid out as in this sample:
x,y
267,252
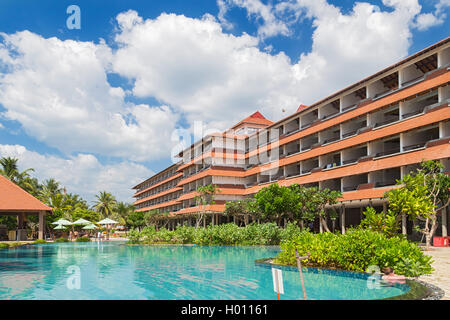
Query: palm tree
x,y
10,170
9,167
122,211
105,204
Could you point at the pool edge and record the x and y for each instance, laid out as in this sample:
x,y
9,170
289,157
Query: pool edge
x,y
419,290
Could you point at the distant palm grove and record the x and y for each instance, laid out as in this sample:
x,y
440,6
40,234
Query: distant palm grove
x,y
64,204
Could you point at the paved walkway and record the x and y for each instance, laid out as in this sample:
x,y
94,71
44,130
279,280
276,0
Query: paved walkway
x,y
441,274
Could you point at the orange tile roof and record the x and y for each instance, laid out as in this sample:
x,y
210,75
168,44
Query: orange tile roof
x,y
255,118
13,198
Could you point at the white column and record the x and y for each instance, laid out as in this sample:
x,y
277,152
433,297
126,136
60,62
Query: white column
x,y
343,219
404,224
444,222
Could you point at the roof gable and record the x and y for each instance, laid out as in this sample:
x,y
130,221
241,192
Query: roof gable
x,y
14,198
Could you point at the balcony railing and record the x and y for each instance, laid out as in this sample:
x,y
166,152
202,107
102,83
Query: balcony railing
x,y
332,139
330,115
348,161
293,152
387,152
413,113
385,122
349,107
380,184
414,146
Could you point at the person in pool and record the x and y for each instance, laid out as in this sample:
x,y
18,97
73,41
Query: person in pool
x,y
390,278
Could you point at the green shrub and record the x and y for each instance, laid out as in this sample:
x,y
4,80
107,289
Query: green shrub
x,y
134,236
61,240
39,241
185,234
224,234
356,250
82,239
4,245
148,233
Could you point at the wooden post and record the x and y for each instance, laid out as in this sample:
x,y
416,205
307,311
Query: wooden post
x,y
41,225
299,266
204,221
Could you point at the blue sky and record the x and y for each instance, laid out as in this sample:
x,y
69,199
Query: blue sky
x,y
98,108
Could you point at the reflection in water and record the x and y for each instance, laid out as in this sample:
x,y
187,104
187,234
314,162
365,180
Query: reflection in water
x,y
111,270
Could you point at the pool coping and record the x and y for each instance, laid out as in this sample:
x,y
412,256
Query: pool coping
x,y
419,290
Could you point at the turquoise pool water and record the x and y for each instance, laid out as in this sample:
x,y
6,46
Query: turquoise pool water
x,y
117,271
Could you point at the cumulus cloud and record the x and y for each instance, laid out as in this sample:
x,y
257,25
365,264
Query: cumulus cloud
x,y
82,174
269,24
58,91
425,21
206,73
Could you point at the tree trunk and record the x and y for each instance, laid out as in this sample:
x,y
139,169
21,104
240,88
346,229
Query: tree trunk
x,y
429,235
323,225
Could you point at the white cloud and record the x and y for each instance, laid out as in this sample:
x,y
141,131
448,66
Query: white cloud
x,y
81,174
193,66
58,91
425,21
270,26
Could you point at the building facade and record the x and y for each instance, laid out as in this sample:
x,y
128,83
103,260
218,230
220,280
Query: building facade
x,y
359,140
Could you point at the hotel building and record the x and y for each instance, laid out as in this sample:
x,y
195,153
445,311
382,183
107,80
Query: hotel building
x,y
359,140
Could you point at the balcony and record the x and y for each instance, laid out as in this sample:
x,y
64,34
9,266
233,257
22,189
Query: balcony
x,y
331,184
292,126
385,116
331,135
309,141
292,170
420,104
329,110
417,71
418,138
384,86
292,148
352,183
308,119
384,178
330,161
309,165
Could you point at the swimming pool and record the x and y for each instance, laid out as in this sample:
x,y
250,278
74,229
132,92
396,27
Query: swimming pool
x,y
113,270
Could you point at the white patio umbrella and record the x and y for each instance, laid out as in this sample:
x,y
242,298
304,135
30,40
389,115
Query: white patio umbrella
x,y
59,227
107,221
82,221
63,222
90,227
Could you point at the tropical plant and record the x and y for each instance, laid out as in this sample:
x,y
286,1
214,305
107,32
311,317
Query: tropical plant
x,y
205,197
422,196
245,209
356,250
105,204
387,223
10,170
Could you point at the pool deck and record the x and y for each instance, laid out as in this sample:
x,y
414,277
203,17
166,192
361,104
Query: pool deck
x,y
441,274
